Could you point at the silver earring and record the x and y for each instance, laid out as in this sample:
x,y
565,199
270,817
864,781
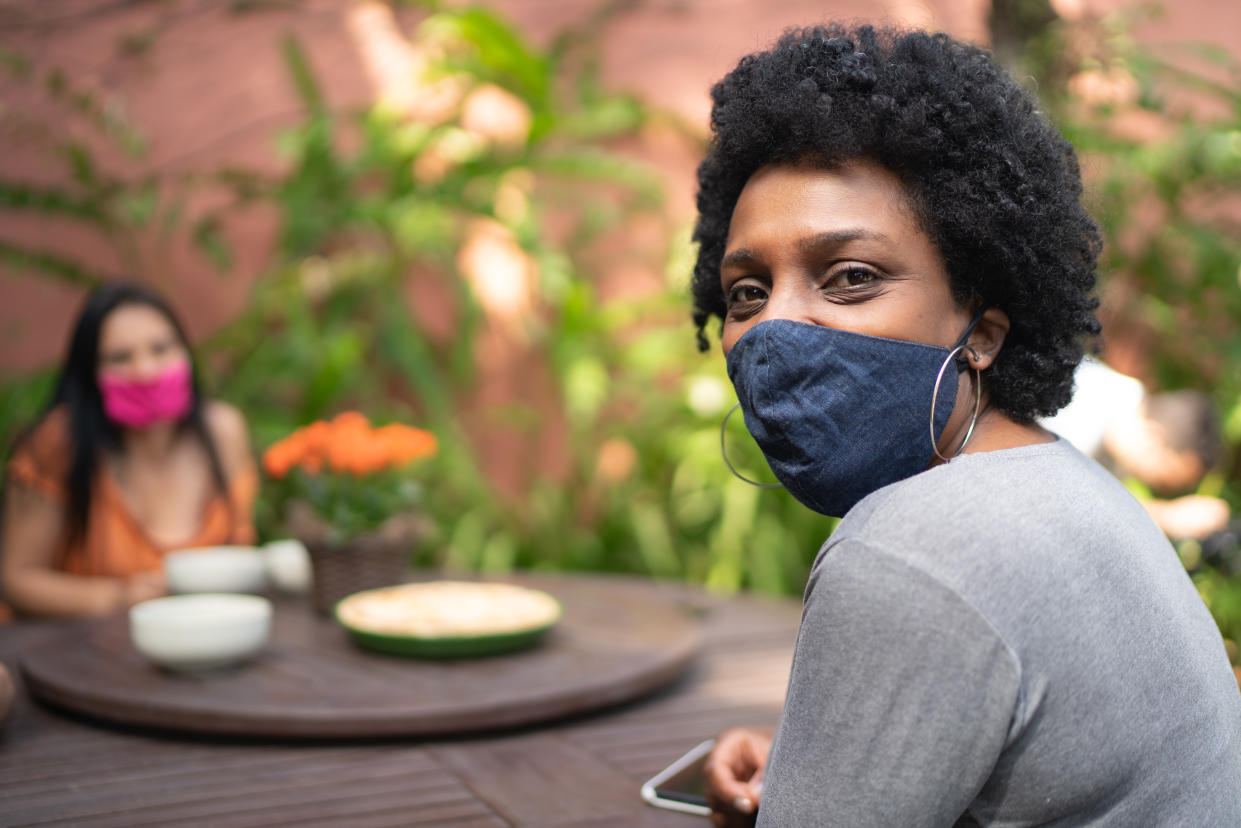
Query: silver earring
x,y
977,400
727,462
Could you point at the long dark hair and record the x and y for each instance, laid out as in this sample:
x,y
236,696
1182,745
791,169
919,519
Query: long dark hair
x,y
77,389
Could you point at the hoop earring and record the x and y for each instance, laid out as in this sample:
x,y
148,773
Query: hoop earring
x,y
727,462
977,401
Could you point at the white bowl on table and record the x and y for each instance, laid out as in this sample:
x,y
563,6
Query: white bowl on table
x,y
200,632
216,569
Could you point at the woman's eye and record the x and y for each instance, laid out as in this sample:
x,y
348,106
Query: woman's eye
x,y
745,294
851,277
116,358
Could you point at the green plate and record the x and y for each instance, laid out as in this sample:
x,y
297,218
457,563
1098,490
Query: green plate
x,y
448,646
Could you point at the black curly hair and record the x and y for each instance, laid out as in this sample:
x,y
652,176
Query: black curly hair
x,y
993,184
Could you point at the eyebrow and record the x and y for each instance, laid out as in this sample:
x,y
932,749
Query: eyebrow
x,y
831,238
838,237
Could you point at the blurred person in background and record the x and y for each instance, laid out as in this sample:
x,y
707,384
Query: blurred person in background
x,y
1163,445
996,633
126,463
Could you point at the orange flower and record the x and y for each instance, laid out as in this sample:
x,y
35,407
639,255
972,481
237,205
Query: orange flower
x,y
368,457
340,453
278,459
403,444
315,439
282,456
348,445
350,421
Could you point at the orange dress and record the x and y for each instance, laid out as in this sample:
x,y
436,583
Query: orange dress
x,y
115,544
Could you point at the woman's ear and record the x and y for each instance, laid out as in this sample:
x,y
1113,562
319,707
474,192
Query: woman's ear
x,y
987,339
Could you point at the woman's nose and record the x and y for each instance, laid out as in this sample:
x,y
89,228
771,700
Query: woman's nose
x,y
790,302
147,367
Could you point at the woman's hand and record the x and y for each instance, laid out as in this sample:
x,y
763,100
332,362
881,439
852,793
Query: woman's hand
x,y
142,587
734,773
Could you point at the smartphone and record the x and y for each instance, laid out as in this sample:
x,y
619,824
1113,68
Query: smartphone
x,y
682,786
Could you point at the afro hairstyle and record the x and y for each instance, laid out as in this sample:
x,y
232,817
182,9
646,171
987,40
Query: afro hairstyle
x,y
996,188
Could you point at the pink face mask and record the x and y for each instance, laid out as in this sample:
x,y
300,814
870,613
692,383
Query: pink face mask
x,y
138,403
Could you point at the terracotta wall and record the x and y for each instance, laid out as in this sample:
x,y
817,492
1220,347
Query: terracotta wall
x,y
205,83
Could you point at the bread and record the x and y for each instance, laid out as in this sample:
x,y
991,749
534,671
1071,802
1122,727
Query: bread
x,y
448,609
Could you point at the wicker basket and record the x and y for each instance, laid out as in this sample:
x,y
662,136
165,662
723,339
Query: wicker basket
x,y
341,568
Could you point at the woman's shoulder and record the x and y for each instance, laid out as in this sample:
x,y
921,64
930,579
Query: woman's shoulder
x,y
41,457
224,419
1013,511
230,434
49,440
983,486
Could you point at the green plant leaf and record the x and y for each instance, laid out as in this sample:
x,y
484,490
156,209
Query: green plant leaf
x,y
211,241
51,264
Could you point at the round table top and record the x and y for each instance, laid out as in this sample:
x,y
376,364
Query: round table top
x,y
579,770
613,644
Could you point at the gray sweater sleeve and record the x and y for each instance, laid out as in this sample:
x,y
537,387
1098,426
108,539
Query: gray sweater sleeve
x,y
899,702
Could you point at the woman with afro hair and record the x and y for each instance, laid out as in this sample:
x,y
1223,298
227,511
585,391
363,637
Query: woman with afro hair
x,y
891,236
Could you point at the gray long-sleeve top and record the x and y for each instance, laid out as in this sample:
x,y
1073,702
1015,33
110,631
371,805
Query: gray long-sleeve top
x,y
1005,640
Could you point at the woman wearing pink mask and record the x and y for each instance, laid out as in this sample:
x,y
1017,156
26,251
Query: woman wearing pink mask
x,y
127,463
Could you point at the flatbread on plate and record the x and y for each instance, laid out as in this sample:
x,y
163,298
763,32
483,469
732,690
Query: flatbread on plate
x,y
448,618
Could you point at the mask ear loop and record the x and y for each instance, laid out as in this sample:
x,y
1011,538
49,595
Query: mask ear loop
x,y
727,462
935,396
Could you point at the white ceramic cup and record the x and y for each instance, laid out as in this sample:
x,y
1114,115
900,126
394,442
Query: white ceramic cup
x,y
216,569
288,566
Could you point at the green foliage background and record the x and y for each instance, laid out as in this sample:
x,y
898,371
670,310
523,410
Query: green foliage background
x,y
328,326
1161,155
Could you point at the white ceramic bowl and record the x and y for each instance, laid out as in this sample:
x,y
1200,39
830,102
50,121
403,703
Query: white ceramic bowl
x,y
216,569
288,566
200,632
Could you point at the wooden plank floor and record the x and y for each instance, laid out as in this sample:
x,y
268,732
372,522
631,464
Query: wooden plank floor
x,y
61,769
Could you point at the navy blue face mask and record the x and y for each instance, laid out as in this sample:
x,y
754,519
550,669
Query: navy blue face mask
x,y
837,414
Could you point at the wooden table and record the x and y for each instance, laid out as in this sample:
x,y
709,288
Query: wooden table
x,y
616,640
60,769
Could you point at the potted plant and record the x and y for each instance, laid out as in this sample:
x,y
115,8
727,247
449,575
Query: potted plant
x,y
350,494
